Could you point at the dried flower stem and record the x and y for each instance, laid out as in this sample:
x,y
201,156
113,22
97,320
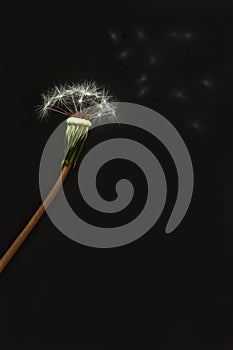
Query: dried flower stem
x,y
36,217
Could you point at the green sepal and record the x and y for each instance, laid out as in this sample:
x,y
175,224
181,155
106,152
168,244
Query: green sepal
x,y
75,151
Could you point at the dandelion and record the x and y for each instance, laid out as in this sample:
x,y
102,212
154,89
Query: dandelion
x,y
82,104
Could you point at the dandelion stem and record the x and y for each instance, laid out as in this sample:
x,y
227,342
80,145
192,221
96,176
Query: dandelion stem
x,y
38,214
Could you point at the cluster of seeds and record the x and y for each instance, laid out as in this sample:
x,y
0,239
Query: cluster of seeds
x,y
85,100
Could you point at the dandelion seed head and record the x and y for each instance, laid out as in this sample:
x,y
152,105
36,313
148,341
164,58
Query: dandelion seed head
x,y
82,104
86,100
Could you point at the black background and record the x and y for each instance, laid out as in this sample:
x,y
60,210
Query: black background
x,y
161,291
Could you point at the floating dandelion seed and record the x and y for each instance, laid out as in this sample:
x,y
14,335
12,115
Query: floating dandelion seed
x,y
179,95
152,59
140,34
206,82
142,78
114,36
82,104
124,54
181,36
